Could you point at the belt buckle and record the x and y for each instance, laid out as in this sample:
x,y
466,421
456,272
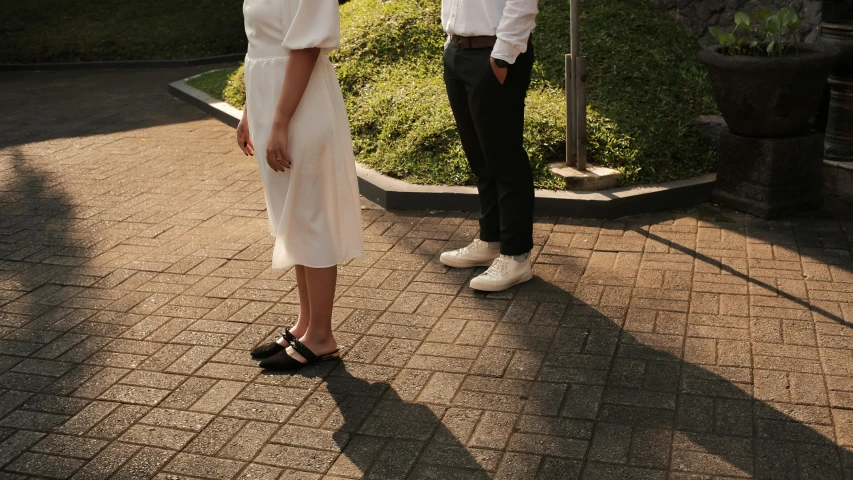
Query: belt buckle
x,y
463,42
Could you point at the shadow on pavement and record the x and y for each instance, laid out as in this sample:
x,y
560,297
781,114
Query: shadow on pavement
x,y
50,105
663,393
42,343
756,282
618,393
652,409
605,404
383,436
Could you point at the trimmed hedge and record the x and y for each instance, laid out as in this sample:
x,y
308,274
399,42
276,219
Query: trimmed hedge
x,y
645,89
38,31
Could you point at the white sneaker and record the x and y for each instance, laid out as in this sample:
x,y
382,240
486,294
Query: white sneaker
x,y
505,272
477,254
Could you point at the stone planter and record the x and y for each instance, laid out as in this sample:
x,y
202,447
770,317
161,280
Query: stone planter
x,y
770,177
769,97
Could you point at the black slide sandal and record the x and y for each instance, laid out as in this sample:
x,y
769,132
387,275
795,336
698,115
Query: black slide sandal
x,y
270,349
283,361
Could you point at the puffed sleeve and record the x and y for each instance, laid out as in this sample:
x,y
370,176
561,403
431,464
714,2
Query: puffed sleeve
x,y
316,24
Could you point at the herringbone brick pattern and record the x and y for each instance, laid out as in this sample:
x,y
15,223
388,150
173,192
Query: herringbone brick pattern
x,y
134,277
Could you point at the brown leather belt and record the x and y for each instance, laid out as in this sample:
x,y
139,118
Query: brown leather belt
x,y
473,42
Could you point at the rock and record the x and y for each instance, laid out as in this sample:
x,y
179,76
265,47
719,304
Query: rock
x,y
812,12
703,10
751,6
806,28
727,19
795,5
735,5
696,16
683,5
699,29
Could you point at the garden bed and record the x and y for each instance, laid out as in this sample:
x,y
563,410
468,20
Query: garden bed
x,y
646,87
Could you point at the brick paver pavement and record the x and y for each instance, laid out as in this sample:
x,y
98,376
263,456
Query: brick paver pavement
x,y
134,277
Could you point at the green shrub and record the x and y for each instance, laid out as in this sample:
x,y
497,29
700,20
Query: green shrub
x,y
226,84
645,89
95,30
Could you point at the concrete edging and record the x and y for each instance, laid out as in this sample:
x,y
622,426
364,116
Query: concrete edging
x,y
394,194
123,64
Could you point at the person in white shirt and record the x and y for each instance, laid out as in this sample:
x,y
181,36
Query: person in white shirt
x,y
488,60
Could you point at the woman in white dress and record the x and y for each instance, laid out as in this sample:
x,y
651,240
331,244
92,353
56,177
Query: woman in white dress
x,y
295,123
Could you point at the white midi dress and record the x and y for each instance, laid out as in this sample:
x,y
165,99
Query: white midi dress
x,y
314,208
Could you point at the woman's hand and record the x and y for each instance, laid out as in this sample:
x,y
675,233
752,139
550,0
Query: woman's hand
x,y
300,65
278,157
244,139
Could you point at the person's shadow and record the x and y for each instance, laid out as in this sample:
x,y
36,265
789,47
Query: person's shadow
x,y
639,386
651,412
622,393
694,394
382,436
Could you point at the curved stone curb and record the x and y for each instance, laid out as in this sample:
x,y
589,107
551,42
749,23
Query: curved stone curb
x,y
214,107
393,194
191,62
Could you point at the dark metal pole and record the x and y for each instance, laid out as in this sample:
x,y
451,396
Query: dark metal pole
x,y
575,96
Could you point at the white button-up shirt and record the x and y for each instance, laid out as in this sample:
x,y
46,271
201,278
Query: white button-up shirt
x,y
511,21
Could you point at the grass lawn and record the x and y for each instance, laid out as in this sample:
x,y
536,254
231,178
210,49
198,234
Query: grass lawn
x,y
35,31
645,88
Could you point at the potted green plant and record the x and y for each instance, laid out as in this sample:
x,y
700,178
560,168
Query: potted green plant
x,y
764,85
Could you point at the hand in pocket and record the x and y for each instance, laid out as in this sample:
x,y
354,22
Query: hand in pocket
x,y
500,73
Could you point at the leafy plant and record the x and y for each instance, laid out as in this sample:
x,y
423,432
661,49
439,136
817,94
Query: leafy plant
x,y
765,37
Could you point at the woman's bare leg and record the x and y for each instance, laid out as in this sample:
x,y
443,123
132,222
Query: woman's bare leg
x,y
321,295
304,319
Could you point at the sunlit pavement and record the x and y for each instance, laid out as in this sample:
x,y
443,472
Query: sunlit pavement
x,y
134,278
